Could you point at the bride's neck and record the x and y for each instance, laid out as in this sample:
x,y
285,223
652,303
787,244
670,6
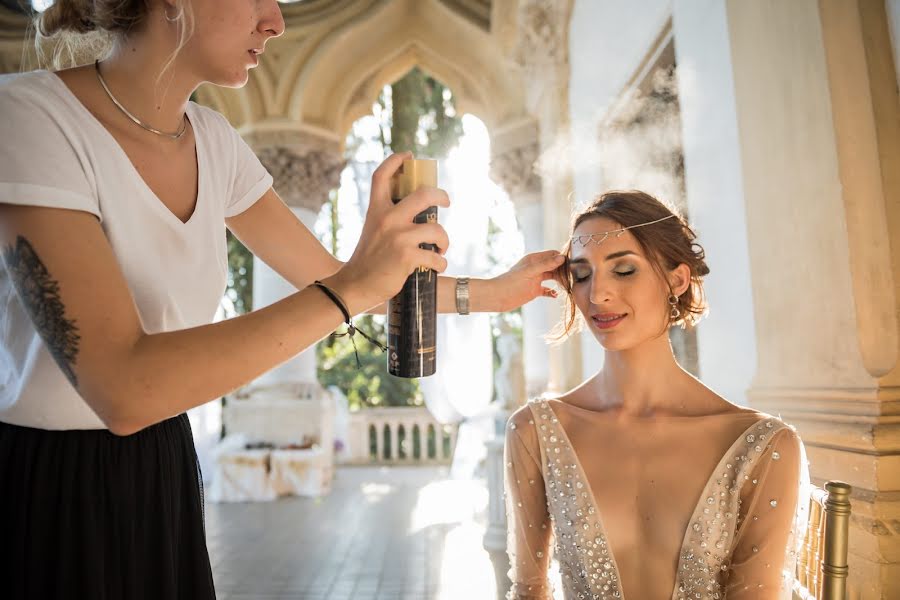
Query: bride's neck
x,y
641,381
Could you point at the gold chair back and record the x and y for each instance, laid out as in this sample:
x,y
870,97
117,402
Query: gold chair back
x,y
822,565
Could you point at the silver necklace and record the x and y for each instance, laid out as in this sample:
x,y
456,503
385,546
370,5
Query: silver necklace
x,y
173,136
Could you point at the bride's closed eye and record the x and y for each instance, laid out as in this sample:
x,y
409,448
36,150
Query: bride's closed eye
x,y
580,274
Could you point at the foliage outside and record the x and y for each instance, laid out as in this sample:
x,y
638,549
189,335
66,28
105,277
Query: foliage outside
x,y
240,275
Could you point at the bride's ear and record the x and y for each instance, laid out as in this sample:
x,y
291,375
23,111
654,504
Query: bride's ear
x,y
680,279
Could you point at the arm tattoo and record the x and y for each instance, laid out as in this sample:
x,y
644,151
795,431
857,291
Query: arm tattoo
x,y
39,294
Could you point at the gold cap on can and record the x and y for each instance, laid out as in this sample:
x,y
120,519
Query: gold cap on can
x,y
413,174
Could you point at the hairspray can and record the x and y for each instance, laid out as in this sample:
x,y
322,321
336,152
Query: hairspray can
x,y
412,314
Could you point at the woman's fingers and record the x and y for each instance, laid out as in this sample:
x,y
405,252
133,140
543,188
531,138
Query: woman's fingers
x,y
430,233
550,276
430,260
423,198
381,179
548,260
413,236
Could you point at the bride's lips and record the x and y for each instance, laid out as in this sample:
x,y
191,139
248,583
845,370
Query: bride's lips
x,y
607,320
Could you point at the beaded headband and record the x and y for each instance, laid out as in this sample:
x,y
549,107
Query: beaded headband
x,y
601,236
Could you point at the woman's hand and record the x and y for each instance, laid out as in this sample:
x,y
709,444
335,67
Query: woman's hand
x,y
525,280
388,249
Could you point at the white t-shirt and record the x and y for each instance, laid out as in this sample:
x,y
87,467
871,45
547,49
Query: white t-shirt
x,y
54,153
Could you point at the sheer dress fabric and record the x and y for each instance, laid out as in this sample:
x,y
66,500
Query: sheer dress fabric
x,y
680,507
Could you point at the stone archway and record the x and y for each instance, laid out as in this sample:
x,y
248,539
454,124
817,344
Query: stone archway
x,y
324,73
336,57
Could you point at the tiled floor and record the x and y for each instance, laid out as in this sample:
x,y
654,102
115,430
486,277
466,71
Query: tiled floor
x,y
405,533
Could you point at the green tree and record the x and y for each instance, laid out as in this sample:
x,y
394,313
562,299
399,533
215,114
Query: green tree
x,y
240,275
367,384
423,118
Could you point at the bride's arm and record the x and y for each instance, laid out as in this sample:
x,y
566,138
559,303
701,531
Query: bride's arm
x,y
761,561
528,523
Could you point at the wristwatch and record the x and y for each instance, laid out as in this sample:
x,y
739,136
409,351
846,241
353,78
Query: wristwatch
x,y
462,295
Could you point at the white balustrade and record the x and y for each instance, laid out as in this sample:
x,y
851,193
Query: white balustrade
x,y
402,435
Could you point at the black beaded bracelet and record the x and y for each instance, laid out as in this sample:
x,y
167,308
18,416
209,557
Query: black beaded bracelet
x,y
351,328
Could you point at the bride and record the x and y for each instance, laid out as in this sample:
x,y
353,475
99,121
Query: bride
x,y
649,484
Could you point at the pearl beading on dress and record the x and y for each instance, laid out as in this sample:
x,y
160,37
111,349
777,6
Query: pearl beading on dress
x,y
587,566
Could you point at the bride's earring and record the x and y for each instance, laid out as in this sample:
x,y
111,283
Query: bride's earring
x,y
177,17
674,313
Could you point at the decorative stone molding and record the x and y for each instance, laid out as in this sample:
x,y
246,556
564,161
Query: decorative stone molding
x,y
10,61
543,34
13,43
303,175
478,12
513,170
311,12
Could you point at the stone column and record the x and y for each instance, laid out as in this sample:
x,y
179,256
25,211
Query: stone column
x,y
513,170
495,533
305,169
542,53
288,401
542,202
819,116
514,151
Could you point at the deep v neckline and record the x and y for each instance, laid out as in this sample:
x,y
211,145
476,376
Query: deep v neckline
x,y
161,207
693,526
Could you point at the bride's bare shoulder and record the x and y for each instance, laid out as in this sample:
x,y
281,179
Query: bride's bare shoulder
x,y
580,399
708,402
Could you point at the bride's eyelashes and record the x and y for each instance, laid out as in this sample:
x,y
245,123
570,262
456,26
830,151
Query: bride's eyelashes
x,y
625,271
581,274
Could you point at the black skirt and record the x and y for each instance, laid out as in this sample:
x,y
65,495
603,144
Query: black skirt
x,y
88,514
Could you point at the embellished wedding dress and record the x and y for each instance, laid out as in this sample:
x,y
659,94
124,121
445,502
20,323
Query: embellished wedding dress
x,y
674,507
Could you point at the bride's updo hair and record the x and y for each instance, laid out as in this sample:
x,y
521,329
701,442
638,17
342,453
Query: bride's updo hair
x,y
666,245
74,32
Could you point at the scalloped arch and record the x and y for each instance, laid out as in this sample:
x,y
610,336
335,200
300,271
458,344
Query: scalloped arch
x,y
331,75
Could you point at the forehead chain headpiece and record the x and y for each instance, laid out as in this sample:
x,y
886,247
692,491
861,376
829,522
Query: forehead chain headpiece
x,y
601,236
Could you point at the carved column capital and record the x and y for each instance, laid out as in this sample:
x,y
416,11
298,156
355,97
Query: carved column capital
x,y
305,168
302,180
541,51
542,32
513,170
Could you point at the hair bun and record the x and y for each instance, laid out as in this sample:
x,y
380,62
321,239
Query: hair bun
x,y
67,15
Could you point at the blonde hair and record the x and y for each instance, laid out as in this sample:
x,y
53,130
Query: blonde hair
x,y
74,32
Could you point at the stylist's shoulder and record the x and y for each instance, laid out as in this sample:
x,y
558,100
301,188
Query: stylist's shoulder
x,y
232,164
46,158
